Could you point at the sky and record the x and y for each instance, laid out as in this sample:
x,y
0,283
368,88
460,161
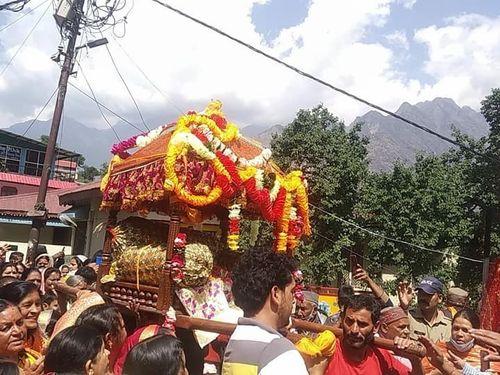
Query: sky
x,y
386,51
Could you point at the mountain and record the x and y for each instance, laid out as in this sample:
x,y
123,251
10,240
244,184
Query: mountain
x,y
94,144
392,139
261,134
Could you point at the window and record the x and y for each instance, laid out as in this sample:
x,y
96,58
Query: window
x,y
8,190
34,163
9,158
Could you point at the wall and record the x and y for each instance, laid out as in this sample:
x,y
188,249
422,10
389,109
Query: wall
x,y
21,189
17,235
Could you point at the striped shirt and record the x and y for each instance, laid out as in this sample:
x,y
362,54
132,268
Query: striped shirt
x,y
255,349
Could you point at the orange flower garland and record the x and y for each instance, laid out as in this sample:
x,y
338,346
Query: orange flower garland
x,y
205,135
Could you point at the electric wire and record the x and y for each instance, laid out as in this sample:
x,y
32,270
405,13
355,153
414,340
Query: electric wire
x,y
40,112
97,103
324,83
391,239
369,260
23,42
21,17
105,107
147,78
126,86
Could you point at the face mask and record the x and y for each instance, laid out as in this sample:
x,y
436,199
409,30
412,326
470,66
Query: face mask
x,y
462,348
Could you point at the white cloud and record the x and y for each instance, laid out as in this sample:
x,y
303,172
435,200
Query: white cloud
x,y
464,58
398,39
408,4
193,65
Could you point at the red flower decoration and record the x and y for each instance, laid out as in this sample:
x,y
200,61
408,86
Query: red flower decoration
x,y
220,121
234,226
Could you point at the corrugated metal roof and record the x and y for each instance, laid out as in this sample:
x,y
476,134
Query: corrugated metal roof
x,y
35,181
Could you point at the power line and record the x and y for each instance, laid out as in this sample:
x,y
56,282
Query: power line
x,y
126,86
24,15
105,107
352,251
23,42
40,112
147,78
324,83
390,238
97,103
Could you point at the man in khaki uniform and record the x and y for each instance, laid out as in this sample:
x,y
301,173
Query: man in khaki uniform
x,y
426,319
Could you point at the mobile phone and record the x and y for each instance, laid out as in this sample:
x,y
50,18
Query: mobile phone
x,y
98,260
354,263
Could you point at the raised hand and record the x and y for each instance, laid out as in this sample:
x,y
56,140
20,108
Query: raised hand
x,y
487,338
405,295
360,274
456,360
435,356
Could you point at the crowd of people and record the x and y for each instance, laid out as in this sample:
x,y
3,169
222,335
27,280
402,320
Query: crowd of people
x,y
42,333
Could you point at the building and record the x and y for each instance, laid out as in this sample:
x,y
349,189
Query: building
x,y
21,164
15,224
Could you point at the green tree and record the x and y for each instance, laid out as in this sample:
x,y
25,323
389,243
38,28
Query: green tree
x,y
334,163
44,138
424,204
88,173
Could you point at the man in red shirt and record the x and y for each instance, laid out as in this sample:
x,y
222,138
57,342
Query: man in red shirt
x,y
354,353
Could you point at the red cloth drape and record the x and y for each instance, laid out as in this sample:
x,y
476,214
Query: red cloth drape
x,y
490,305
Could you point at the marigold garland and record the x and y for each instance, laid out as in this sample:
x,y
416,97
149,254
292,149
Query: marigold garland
x,y
234,227
201,168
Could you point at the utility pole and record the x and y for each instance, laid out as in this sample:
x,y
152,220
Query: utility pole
x,y
489,217
39,213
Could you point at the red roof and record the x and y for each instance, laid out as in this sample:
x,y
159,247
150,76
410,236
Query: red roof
x,y
20,204
34,181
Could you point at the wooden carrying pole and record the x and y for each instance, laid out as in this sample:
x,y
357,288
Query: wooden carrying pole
x,y
187,322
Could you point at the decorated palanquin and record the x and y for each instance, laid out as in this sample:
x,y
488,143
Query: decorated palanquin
x,y
197,169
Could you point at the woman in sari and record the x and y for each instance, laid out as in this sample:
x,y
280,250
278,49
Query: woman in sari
x,y
12,340
138,336
26,297
462,346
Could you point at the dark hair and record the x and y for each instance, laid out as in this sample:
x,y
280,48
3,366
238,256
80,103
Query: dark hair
x,y
8,368
160,354
70,349
16,254
15,292
364,302
4,304
22,265
469,315
88,274
345,292
49,297
28,271
40,249
103,318
49,271
255,275
4,266
78,261
6,280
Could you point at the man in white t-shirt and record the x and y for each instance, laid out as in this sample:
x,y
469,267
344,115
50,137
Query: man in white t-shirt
x,y
263,287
